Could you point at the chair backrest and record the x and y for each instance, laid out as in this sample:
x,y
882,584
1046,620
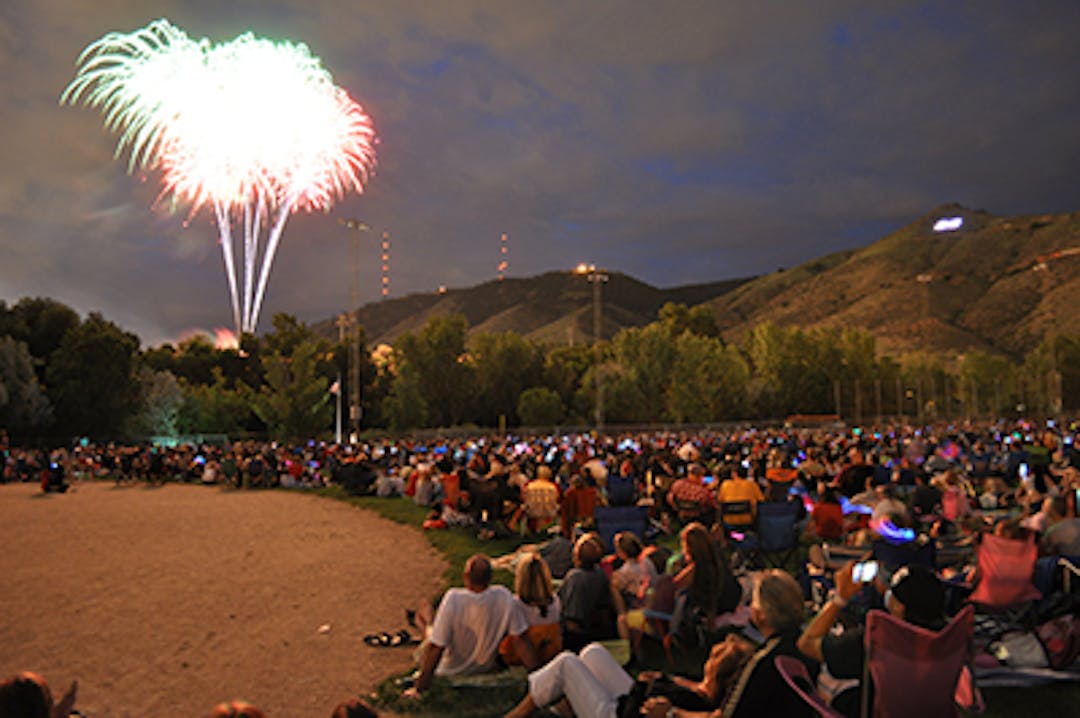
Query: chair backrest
x,y
690,510
610,520
776,525
914,670
737,514
893,556
1006,568
796,676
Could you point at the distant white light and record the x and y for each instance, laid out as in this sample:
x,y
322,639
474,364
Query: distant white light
x,y
948,224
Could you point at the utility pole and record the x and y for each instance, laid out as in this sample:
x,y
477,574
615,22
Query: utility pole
x,y
355,407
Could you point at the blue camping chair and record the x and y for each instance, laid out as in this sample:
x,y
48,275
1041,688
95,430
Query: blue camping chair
x,y
776,535
611,520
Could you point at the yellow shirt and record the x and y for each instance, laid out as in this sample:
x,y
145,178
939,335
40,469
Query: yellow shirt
x,y
739,489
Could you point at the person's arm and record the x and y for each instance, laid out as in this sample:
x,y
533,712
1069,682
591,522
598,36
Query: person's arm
x,y
428,662
809,643
659,707
525,651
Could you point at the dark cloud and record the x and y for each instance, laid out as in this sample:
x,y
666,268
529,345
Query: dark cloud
x,y
679,142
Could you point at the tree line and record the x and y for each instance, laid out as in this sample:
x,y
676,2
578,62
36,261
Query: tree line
x,y
63,376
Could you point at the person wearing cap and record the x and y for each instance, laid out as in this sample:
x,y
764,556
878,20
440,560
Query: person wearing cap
x,y
915,594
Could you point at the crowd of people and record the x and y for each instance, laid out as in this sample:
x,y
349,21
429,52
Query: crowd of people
x,y
939,487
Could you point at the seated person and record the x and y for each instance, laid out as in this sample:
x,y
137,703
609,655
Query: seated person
x,y
710,586
691,498
468,628
758,689
740,487
1062,534
594,685
587,611
629,582
27,695
827,519
535,599
915,595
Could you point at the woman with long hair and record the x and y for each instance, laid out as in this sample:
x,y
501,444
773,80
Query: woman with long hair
x,y
711,587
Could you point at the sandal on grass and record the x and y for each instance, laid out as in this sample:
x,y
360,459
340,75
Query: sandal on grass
x,y
379,640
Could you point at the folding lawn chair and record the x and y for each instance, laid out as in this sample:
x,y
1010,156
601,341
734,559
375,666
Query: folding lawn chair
x,y
796,676
915,671
777,537
611,520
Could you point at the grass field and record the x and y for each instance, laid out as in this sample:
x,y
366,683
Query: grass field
x,y
442,700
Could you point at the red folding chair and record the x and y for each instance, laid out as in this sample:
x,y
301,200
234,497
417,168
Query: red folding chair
x,y
797,677
915,671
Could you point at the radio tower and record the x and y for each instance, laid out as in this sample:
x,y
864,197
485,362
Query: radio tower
x,y
503,254
385,265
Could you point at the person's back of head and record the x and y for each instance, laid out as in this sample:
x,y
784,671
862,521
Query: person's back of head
x,y
588,551
25,695
780,600
628,543
532,582
478,572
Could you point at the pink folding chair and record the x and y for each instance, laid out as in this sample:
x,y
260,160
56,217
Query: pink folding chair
x,y
1006,567
798,678
915,671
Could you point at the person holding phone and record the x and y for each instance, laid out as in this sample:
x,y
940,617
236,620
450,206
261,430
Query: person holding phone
x,y
915,594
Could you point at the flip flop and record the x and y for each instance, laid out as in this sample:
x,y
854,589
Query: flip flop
x,y
410,617
403,638
379,640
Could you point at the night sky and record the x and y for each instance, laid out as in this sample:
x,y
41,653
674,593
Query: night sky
x,y
678,142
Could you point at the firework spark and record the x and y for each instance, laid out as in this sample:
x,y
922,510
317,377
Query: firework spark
x,y
252,128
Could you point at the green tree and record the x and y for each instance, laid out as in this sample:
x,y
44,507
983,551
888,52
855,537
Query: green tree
x,y
23,404
405,406
504,364
90,378
645,357
708,380
700,320
444,374
161,399
216,408
540,406
295,401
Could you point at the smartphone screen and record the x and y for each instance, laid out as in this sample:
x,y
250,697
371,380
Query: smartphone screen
x,y
864,571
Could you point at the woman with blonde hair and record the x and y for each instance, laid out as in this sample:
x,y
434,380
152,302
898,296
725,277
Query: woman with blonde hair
x,y
538,603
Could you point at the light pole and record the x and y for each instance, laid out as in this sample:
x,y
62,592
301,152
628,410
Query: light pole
x,y
355,407
597,277
342,325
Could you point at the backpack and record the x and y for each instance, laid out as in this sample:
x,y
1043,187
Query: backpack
x,y
1060,638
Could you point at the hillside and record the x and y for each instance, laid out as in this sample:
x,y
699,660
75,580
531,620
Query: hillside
x,y
555,308
995,284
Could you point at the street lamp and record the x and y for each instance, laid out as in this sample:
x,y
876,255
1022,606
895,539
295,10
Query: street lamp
x,y
597,277
355,407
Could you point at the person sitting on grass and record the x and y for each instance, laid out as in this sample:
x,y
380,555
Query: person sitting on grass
x,y
594,685
27,695
536,600
587,612
758,689
468,628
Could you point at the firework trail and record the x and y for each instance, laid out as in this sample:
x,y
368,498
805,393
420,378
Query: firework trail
x,y
254,129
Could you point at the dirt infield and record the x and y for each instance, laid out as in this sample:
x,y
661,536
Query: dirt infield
x,y
165,601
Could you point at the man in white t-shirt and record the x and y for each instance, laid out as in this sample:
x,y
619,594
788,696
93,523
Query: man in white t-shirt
x,y
469,626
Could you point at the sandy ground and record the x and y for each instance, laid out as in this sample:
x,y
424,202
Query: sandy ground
x,y
165,601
